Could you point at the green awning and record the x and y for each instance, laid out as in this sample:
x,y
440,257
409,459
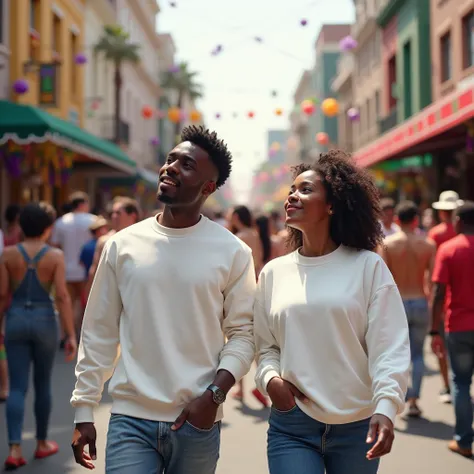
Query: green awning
x,y
25,124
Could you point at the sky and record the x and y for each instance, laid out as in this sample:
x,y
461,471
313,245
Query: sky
x,y
242,77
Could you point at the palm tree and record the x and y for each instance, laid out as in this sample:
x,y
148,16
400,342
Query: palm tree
x,y
183,82
117,48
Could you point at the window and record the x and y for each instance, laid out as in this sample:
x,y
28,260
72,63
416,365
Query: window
x,y
468,40
1,22
74,51
377,105
446,57
34,14
369,115
56,46
392,82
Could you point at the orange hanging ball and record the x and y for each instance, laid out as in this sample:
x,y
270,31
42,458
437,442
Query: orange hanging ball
x,y
195,116
322,138
330,107
174,114
147,112
278,111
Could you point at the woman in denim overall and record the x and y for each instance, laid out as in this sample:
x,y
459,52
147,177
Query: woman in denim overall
x,y
29,270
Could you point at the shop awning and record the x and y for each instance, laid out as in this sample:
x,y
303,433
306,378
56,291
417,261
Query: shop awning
x,y
25,124
448,112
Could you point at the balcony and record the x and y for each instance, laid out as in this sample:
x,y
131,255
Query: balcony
x,y
108,130
389,122
345,68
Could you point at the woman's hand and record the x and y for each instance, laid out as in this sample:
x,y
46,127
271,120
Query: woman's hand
x,y
283,393
70,348
380,429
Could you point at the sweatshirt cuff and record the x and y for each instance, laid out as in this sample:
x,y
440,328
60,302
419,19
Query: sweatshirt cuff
x,y
387,407
233,365
266,379
84,414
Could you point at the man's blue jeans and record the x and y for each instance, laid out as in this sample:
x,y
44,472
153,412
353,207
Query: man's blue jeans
x,y
298,444
418,318
136,446
461,358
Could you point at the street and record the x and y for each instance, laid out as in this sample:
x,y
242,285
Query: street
x,y
420,445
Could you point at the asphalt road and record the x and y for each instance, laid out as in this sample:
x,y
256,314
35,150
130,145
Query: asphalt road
x,y
420,445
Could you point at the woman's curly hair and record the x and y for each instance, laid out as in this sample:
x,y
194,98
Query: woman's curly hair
x,y
354,198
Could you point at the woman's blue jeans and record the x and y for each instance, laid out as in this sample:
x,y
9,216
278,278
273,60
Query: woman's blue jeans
x,y
298,444
31,338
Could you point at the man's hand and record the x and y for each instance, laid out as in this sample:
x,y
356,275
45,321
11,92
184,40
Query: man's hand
x,y
437,346
381,428
201,413
84,435
283,393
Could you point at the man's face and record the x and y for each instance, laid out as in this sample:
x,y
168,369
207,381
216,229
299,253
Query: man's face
x,y
187,177
119,217
388,215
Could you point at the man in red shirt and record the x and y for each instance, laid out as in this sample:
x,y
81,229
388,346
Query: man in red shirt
x,y
446,205
454,289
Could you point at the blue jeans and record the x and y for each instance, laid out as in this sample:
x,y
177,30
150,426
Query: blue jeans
x,y
418,322
298,444
461,357
136,446
31,337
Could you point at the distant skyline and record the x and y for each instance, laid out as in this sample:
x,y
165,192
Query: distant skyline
x,y
264,48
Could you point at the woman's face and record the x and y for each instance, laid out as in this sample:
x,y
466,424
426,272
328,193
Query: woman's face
x,y
306,204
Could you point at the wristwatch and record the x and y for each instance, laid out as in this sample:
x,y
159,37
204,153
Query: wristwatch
x,y
218,395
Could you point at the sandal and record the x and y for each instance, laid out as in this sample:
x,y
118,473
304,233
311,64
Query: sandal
x,y
12,463
50,451
414,412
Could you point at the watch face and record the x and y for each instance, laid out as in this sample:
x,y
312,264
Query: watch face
x,y
219,396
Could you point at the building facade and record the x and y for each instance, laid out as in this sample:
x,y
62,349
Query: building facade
x,y
141,85
5,87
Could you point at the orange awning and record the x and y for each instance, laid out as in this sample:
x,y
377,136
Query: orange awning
x,y
446,113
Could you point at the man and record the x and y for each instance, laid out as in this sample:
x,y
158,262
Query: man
x,y
125,212
454,289
410,258
168,290
444,231
70,233
97,229
387,205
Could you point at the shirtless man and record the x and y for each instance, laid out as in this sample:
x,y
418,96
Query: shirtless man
x,y
125,212
410,258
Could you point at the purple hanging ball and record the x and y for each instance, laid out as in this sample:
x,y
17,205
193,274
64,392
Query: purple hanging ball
x,y
348,43
155,141
80,58
21,86
218,116
303,22
174,69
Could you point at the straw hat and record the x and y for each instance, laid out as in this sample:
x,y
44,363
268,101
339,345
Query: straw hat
x,y
448,201
99,222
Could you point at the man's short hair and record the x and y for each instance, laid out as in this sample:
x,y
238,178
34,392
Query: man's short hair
x,y
387,203
77,198
130,206
406,212
466,213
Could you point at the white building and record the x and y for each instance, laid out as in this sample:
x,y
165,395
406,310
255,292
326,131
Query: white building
x,y
140,83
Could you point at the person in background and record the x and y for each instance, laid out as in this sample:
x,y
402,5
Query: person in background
x,y
439,234
3,354
330,328
389,227
28,271
428,220
220,218
454,290
12,234
98,228
272,245
70,234
170,319
410,258
124,213
276,222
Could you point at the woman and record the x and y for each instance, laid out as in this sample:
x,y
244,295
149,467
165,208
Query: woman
x,y
29,270
272,245
12,235
331,332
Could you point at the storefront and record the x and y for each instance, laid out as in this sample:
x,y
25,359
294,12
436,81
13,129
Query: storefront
x,y
44,158
444,130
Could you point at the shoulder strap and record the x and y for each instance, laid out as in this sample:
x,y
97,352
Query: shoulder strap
x,y
40,254
23,253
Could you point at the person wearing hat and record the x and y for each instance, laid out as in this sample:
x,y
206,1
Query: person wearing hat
x,y
448,202
98,228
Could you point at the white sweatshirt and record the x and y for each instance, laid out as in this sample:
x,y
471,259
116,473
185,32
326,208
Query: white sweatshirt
x,y
168,297
335,327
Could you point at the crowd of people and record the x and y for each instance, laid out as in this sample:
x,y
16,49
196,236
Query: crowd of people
x,y
330,298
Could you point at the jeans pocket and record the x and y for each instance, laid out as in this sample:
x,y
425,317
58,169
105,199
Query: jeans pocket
x,y
284,412
201,430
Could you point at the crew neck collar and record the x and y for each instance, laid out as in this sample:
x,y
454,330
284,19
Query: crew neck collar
x,y
178,232
334,256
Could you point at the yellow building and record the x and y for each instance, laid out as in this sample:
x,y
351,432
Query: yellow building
x,y
45,37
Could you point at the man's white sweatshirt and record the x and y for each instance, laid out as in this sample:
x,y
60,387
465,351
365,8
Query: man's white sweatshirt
x,y
167,298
